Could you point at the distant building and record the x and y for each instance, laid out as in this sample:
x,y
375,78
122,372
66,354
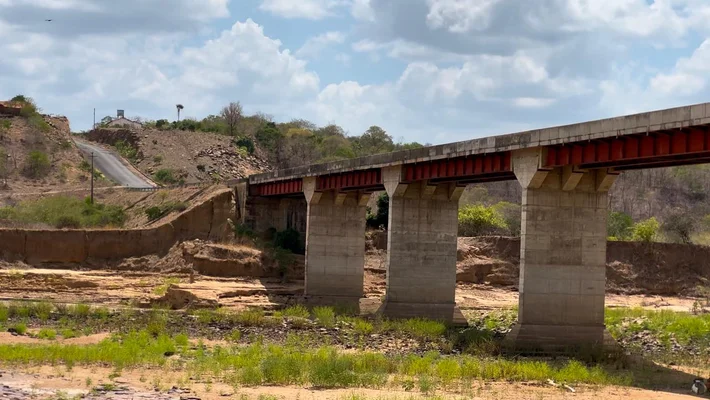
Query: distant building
x,y
122,122
10,108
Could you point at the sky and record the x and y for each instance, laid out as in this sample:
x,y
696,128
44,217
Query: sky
x,y
432,71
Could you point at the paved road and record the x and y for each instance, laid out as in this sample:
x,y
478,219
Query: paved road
x,y
111,166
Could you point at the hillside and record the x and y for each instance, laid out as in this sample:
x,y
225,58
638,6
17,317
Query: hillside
x,y
38,155
188,156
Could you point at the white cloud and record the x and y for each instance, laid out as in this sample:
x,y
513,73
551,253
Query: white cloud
x,y
308,9
689,76
316,44
460,15
361,10
533,102
343,58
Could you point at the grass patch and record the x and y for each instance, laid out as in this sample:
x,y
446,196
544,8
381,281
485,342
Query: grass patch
x,y
323,367
46,333
19,328
325,316
164,209
684,327
296,311
167,176
163,288
64,212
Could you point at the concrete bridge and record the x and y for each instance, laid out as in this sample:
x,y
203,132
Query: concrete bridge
x,y
565,172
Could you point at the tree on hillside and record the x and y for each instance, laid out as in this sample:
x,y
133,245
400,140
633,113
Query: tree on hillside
x,y
232,114
374,141
179,107
105,121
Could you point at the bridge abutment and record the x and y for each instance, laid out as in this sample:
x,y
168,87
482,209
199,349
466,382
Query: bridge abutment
x,y
335,244
421,248
563,255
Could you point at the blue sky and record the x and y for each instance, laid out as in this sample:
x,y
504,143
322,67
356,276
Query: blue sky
x,y
432,71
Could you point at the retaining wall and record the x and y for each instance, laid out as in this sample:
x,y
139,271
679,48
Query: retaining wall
x,y
205,220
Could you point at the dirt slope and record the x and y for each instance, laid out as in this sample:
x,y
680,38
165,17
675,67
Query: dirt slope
x,y
194,156
65,171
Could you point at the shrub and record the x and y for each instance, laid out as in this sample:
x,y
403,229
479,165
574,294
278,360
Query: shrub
x,y
162,210
679,226
37,122
290,240
646,231
161,123
166,177
619,225
19,328
126,150
245,143
158,159
37,164
381,218
478,220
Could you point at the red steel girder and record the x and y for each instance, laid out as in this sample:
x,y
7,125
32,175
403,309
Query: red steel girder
x,y
350,180
280,188
458,167
679,144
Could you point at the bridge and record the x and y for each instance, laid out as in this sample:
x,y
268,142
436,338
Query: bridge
x,y
565,172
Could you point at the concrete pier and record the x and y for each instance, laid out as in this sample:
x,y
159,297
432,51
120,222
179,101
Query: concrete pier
x,y
421,248
335,244
563,255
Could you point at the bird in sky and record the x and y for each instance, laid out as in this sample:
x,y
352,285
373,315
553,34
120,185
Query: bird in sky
x,y
47,20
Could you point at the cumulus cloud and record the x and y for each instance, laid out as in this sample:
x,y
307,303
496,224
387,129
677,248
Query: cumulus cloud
x,y
316,44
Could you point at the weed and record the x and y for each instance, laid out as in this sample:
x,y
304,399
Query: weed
x,y
4,313
80,311
68,334
362,327
234,336
167,282
19,328
297,311
64,212
251,317
325,316
88,382
46,333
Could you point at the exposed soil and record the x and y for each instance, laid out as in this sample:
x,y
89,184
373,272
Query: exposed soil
x,y
46,382
65,158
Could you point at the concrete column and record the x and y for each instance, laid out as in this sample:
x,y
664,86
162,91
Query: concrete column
x,y
421,248
562,256
335,243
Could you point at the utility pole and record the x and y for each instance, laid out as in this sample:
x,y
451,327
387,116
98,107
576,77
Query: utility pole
x,y
92,177
94,127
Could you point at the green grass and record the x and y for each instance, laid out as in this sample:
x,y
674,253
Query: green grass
x,y
68,333
325,316
163,288
663,324
64,212
295,311
46,333
323,367
20,328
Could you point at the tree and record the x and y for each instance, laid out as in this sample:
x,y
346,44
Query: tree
x,y
381,217
179,107
374,141
680,226
646,231
232,114
161,123
105,121
619,226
